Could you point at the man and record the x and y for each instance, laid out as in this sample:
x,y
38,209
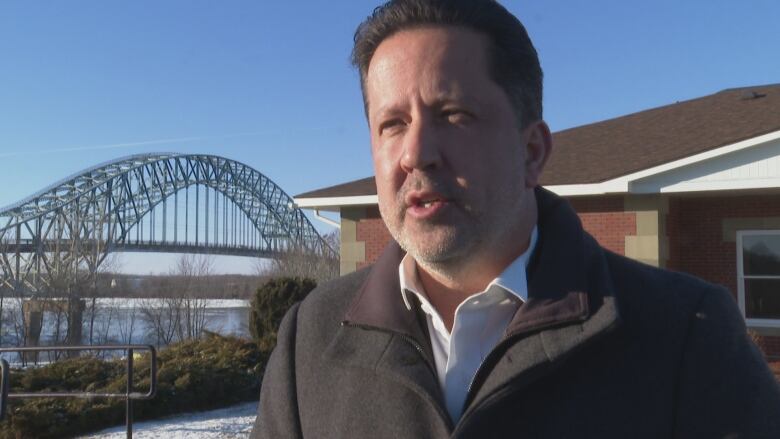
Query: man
x,y
495,314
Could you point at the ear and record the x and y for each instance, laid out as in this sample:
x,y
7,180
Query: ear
x,y
538,141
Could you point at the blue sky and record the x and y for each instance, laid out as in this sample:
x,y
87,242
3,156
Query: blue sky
x,y
269,83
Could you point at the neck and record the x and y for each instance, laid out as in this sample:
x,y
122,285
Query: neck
x,y
448,283
448,286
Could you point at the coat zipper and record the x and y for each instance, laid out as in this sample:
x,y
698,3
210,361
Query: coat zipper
x,y
491,356
493,353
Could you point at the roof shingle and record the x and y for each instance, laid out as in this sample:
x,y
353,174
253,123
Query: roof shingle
x,y
624,145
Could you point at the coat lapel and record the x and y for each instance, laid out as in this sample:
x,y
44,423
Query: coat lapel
x,y
379,303
570,303
381,334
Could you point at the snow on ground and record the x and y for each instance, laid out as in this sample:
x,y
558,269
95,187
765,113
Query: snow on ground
x,y
230,422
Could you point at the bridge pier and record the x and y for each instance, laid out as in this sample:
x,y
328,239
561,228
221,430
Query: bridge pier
x,y
33,320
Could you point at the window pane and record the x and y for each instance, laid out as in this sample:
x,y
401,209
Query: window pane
x,y
762,298
761,254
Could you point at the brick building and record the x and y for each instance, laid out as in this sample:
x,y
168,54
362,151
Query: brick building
x,y
693,186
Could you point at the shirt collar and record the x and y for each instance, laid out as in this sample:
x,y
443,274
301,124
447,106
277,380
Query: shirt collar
x,y
512,279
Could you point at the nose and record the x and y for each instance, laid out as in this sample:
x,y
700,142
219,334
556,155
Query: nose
x,y
421,147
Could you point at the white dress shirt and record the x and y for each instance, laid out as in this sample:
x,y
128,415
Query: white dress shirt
x,y
480,322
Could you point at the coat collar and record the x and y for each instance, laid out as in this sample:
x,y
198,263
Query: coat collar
x,y
379,303
570,303
558,285
557,280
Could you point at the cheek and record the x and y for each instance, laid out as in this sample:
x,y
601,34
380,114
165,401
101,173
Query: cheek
x,y
490,172
386,165
383,170
386,179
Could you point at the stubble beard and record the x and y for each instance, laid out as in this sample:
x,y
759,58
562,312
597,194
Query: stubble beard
x,y
448,246
439,246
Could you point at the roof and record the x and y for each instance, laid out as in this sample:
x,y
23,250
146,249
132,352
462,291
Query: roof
x,y
653,137
639,141
364,186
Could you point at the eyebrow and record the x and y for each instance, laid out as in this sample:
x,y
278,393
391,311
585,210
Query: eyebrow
x,y
470,101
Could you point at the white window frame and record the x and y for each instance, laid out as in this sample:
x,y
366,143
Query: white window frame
x,y
756,323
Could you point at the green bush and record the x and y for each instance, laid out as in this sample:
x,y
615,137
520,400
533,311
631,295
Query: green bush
x,y
84,374
194,375
270,303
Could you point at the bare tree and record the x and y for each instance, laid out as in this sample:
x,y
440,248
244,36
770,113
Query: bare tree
x,y
304,264
111,264
59,300
179,311
163,317
193,271
126,324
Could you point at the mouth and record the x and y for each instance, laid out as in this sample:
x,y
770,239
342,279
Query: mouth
x,y
426,205
424,199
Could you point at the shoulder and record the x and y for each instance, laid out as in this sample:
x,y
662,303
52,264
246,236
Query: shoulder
x,y
320,314
654,297
641,281
334,296
678,320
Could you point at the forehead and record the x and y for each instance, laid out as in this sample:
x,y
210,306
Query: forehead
x,y
440,55
433,40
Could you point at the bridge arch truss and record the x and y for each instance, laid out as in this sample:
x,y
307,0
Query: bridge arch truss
x,y
190,203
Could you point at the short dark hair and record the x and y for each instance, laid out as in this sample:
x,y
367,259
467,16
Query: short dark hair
x,y
514,63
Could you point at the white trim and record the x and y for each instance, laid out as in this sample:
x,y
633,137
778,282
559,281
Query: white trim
x,y
623,184
326,220
607,187
755,323
740,273
732,185
360,200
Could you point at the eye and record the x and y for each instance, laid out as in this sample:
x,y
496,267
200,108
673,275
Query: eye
x,y
391,125
456,115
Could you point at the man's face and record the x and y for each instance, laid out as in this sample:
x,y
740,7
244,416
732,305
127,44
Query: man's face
x,y
449,155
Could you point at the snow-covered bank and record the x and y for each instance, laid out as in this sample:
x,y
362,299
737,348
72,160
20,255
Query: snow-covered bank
x,y
230,422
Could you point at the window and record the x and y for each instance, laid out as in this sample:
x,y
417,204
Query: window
x,y
758,265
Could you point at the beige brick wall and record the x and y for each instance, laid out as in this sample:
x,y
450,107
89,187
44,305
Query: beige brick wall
x,y
353,252
651,243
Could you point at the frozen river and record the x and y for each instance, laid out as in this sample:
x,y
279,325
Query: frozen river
x,y
137,321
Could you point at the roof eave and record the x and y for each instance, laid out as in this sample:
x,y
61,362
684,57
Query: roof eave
x,y
335,203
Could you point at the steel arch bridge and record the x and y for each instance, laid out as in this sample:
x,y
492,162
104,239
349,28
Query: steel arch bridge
x,y
150,202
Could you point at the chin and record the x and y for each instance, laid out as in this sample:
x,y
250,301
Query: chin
x,y
439,250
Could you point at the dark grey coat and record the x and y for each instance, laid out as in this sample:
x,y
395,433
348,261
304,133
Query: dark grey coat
x,y
605,347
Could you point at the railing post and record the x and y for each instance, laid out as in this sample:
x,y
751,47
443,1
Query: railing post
x,y
4,385
128,401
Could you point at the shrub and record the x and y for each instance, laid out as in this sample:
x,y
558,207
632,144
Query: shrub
x,y
194,375
270,303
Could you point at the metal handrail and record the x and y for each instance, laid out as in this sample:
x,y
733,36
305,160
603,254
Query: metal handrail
x,y
129,395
